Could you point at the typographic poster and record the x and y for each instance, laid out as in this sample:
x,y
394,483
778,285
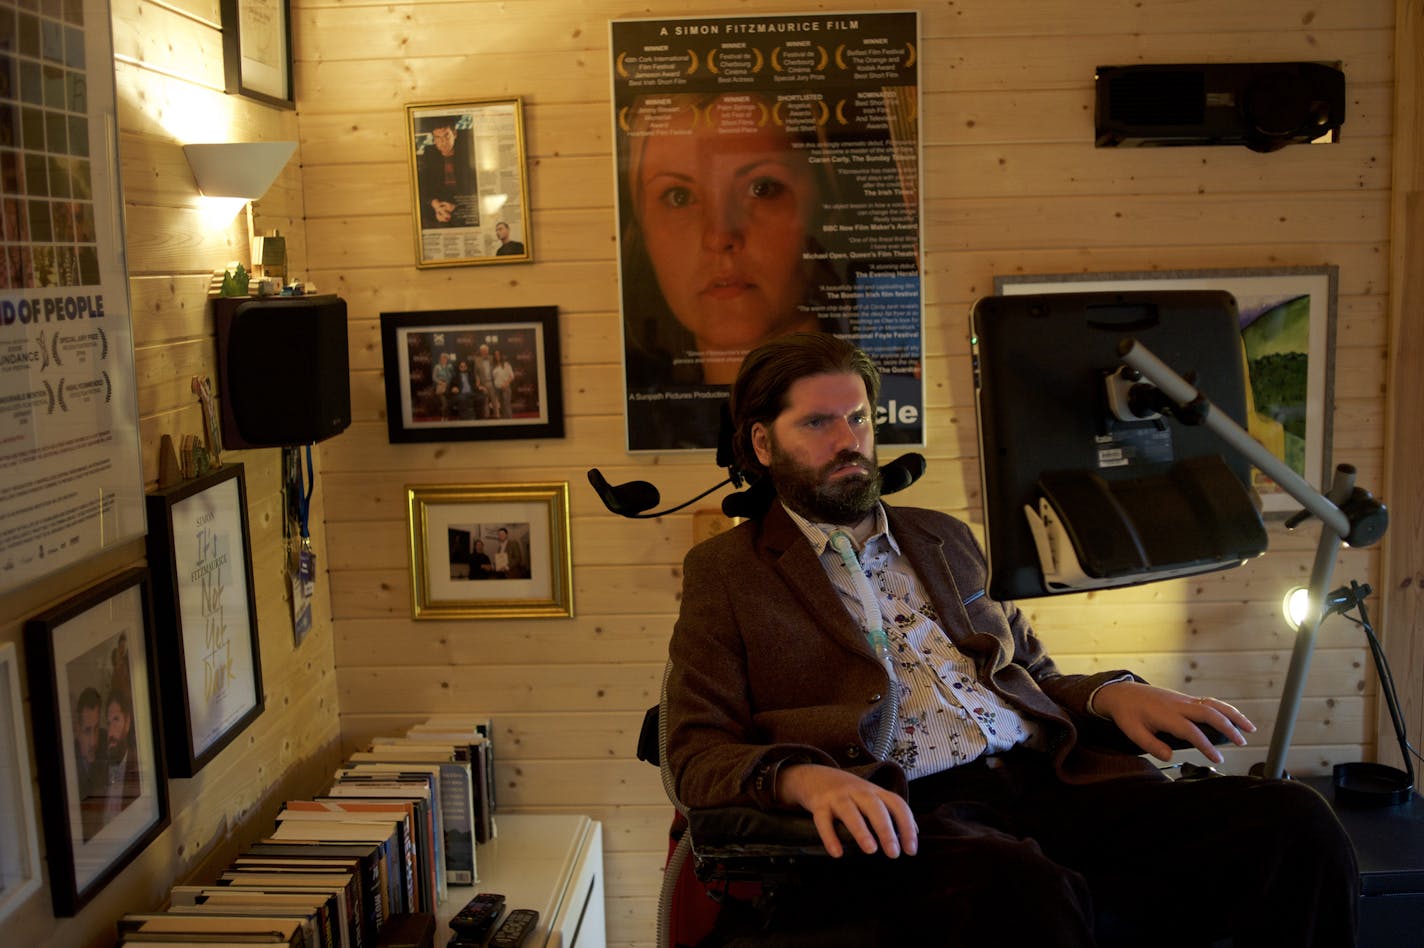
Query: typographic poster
x,y
210,561
768,182
72,481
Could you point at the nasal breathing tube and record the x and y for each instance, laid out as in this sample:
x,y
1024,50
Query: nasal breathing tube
x,y
879,642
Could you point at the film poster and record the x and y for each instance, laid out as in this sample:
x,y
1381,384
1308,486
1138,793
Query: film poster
x,y
71,477
768,176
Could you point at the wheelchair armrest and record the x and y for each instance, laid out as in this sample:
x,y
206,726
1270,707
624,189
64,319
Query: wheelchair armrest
x,y
746,833
751,843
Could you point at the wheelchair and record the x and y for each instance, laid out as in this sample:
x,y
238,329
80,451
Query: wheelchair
x,y
728,868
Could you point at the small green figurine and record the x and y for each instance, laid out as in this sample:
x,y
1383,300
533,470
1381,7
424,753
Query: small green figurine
x,y
234,282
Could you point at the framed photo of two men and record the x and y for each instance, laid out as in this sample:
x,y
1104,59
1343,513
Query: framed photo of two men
x,y
93,700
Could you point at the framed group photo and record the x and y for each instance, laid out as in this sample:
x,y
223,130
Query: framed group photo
x,y
473,374
1287,320
490,551
92,697
469,183
206,615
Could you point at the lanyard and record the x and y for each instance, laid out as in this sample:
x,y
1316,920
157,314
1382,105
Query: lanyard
x,y
304,504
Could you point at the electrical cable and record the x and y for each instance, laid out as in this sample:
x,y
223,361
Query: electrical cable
x,y
1357,596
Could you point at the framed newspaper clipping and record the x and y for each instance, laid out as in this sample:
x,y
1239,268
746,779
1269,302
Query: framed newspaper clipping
x,y
470,184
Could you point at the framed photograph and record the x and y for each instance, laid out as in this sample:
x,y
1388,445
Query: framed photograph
x,y
209,668
490,551
469,183
473,374
257,50
1288,327
20,856
92,700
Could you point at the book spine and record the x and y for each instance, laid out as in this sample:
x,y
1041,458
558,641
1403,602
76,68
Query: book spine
x,y
457,809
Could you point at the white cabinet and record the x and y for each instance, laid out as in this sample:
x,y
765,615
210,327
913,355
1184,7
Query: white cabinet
x,y
552,864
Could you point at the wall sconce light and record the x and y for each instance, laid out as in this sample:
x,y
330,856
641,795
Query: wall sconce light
x,y
238,169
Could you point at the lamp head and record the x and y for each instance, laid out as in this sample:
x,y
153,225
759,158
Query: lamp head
x,y
1295,606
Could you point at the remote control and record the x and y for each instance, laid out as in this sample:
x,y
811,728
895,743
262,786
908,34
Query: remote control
x,y
475,921
517,927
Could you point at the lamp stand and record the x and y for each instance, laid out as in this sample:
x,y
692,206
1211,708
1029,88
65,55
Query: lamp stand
x,y
1347,514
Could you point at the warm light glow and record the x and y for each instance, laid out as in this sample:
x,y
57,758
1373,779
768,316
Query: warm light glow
x,y
1296,607
218,212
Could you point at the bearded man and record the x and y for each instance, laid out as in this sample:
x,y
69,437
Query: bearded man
x,y
840,656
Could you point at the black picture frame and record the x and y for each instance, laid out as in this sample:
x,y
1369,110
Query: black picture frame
x,y
98,641
415,346
205,610
257,50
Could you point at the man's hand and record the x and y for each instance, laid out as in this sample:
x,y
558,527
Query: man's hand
x,y
869,812
1141,711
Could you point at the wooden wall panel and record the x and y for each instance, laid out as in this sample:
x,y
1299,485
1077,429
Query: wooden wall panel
x,y
168,70
1012,184
1403,586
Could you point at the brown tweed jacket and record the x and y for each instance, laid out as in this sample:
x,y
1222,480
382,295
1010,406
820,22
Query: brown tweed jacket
x,y
768,666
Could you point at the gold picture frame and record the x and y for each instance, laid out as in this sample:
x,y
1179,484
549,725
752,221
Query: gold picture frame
x,y
490,551
469,182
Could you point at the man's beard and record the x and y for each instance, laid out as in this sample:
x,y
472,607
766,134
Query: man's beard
x,y
815,496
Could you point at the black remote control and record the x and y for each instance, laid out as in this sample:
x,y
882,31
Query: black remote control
x,y
475,921
517,927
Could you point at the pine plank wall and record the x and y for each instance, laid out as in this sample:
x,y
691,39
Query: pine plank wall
x,y
1012,184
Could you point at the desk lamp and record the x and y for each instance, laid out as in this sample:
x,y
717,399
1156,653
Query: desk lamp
x,y
1348,515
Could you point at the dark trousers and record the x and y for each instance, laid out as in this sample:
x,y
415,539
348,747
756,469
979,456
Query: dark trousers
x,y
1010,855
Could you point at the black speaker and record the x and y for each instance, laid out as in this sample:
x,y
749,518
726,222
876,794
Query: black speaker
x,y
283,372
1264,106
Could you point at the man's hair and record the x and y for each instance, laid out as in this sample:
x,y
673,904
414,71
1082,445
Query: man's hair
x,y
767,374
88,698
432,122
120,697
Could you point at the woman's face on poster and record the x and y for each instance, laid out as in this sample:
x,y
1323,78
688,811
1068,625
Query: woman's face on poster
x,y
725,216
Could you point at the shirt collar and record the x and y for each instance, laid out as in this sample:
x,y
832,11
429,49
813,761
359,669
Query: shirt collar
x,y
819,534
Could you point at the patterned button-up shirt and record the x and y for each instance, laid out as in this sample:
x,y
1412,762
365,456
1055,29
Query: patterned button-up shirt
x,y
947,717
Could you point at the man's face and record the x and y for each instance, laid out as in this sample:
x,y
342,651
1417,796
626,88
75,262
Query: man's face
x,y
503,535
502,232
821,449
444,140
119,723
87,733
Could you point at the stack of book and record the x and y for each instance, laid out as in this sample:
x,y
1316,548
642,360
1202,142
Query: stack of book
x,y
397,826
